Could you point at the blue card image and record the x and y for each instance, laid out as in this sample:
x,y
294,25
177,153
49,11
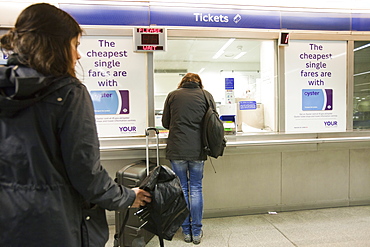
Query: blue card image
x,y
111,102
317,99
105,102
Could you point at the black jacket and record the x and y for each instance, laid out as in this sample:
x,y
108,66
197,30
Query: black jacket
x,y
182,115
49,161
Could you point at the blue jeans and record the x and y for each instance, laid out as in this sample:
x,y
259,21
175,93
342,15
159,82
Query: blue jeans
x,y
190,174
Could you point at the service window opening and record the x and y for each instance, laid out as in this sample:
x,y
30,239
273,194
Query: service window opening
x,y
249,64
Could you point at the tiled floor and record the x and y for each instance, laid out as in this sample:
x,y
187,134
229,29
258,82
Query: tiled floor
x,y
345,226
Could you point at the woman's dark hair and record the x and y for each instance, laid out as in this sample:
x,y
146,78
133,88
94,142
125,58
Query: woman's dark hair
x,y
42,39
191,77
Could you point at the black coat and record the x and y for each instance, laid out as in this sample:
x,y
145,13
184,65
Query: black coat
x,y
49,163
182,115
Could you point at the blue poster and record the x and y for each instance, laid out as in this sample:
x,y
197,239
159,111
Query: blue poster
x,y
229,83
247,105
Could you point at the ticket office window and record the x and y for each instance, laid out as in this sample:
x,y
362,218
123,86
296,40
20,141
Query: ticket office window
x,y
251,65
361,79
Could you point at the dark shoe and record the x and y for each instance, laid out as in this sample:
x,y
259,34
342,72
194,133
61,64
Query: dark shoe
x,y
196,239
187,238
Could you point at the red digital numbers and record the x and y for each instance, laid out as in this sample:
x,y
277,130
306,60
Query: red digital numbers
x,y
150,39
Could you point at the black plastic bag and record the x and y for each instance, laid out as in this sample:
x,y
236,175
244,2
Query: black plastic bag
x,y
168,209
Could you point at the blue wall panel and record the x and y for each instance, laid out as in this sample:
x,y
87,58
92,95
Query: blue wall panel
x,y
315,21
108,14
216,17
361,22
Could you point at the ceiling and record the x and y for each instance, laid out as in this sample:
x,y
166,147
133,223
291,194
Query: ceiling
x,y
186,52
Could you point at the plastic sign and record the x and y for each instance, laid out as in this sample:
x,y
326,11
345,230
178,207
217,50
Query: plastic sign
x,y
148,39
247,105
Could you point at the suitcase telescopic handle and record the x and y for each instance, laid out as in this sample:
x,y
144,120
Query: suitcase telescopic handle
x,y
147,147
151,128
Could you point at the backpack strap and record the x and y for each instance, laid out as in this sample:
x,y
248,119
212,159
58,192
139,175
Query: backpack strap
x,y
205,139
208,101
204,132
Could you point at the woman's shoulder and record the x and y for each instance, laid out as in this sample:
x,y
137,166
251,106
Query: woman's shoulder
x,y
64,86
66,82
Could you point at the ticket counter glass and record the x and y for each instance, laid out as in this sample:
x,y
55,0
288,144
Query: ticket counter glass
x,y
249,63
361,76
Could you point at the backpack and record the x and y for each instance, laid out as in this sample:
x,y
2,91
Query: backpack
x,y
213,134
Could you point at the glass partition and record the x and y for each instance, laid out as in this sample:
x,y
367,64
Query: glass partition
x,y
250,64
361,97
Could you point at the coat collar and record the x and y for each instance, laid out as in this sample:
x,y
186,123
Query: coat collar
x,y
190,84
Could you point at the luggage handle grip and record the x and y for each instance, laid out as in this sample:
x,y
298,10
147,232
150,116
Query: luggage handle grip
x,y
151,128
147,147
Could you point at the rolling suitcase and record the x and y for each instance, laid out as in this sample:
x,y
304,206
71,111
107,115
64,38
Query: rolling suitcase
x,y
133,234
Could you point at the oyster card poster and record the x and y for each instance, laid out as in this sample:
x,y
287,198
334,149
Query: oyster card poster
x,y
116,78
315,86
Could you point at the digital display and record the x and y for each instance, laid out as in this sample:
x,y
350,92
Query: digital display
x,y
150,39
284,39
149,48
149,30
147,39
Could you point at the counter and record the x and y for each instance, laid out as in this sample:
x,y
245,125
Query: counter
x,y
271,171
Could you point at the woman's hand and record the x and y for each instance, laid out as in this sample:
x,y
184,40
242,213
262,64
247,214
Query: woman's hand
x,y
142,198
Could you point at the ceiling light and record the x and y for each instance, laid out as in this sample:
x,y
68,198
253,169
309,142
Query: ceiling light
x,y
363,73
362,47
240,55
362,84
218,54
223,48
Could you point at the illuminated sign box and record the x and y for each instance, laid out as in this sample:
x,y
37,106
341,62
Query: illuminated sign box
x,y
284,39
147,39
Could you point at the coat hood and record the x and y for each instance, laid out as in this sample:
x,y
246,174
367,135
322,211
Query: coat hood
x,y
20,87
